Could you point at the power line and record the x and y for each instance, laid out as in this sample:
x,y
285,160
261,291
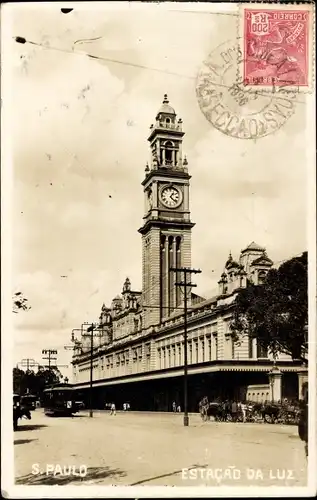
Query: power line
x,y
22,40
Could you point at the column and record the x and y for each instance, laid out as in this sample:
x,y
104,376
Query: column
x,y
170,274
275,377
167,279
186,197
173,276
154,194
302,381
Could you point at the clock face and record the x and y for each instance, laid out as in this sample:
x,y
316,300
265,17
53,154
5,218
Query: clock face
x,y
171,197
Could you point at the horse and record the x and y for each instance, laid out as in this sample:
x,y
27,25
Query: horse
x,y
20,412
270,413
217,411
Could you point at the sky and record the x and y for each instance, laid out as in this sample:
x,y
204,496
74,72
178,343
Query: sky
x,y
79,128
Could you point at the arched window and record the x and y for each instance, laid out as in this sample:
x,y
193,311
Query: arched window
x,y
168,122
168,146
261,277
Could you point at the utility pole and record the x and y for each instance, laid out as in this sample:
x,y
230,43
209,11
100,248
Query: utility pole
x,y
185,284
89,332
28,363
49,357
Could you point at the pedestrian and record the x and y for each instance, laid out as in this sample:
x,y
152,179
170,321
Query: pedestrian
x,y
113,409
244,411
174,406
303,418
234,410
179,409
124,406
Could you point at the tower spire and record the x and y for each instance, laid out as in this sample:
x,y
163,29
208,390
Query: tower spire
x,y
166,136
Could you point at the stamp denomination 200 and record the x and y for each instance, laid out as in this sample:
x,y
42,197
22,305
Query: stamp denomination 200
x,y
234,108
276,46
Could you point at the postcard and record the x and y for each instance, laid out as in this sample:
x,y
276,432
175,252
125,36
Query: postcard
x,y
158,249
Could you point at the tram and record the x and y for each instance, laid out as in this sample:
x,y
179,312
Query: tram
x,y
59,400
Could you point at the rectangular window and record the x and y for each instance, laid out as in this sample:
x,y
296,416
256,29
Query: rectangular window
x,y
250,345
148,350
134,355
261,350
209,355
215,337
190,353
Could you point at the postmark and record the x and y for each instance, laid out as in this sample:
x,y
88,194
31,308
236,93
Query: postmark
x,y
234,108
277,46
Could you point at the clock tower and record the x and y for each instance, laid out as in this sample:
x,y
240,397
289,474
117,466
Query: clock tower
x,y
166,230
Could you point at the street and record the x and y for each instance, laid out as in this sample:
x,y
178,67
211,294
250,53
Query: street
x,y
155,450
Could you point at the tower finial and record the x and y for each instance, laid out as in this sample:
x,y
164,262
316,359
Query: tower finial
x,y
165,100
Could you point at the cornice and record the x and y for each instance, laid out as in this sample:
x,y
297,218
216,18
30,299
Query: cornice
x,y
165,224
166,172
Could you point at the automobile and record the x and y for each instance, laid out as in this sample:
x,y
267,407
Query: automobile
x,y
29,401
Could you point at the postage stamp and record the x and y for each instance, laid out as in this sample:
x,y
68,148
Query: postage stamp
x,y
277,45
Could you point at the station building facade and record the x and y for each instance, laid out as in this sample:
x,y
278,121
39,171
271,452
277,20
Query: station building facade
x,y
138,354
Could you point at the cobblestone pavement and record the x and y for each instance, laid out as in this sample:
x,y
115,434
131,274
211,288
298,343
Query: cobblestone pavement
x,y
156,449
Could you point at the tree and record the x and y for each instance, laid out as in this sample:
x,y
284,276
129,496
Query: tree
x,y
20,303
35,383
276,313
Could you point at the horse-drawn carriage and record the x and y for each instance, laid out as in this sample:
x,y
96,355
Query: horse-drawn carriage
x,y
19,411
269,412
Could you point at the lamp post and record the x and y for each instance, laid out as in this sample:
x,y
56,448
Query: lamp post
x,y
90,332
91,328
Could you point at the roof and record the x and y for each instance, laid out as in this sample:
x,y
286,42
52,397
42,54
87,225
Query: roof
x,y
166,108
263,259
253,246
230,262
58,388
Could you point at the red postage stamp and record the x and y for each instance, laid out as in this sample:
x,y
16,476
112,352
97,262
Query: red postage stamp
x,y
276,47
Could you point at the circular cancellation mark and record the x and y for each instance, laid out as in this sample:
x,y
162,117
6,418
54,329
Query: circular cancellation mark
x,y
234,108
